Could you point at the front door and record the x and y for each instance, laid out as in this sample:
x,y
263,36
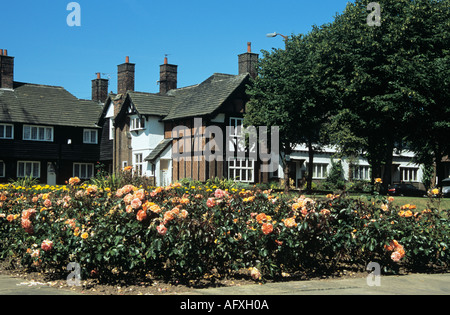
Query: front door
x,y
164,172
51,174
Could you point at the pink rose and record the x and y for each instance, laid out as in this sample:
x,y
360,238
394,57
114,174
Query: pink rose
x,y
219,193
47,203
136,203
128,198
47,245
140,194
211,202
162,230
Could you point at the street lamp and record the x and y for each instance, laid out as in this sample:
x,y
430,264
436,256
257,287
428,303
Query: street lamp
x,y
274,34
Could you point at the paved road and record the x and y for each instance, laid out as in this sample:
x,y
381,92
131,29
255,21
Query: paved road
x,y
389,285
417,284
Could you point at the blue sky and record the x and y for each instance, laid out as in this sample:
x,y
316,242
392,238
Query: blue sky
x,y
201,37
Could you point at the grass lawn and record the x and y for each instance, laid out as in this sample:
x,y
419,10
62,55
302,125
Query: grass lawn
x,y
423,203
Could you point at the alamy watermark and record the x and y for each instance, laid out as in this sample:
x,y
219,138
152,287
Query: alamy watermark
x,y
374,278
74,278
74,17
210,144
374,18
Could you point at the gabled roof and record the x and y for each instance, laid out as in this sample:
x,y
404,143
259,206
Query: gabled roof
x,y
151,104
192,101
204,98
46,105
158,150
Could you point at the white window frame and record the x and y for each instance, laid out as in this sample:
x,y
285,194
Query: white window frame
x,y
237,167
236,122
39,129
2,169
409,174
3,131
80,172
33,165
320,170
138,164
91,132
137,123
361,172
111,129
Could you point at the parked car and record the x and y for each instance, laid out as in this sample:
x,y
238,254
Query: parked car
x,y
446,187
406,190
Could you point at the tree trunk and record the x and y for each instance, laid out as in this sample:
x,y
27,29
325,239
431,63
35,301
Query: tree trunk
x,y
310,166
439,166
286,170
387,176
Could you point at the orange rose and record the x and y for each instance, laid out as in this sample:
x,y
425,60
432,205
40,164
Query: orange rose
x,y
168,216
267,228
289,222
141,215
74,181
261,217
155,209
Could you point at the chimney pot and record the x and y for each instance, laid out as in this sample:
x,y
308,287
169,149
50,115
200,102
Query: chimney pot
x,y
166,61
5,52
98,75
249,47
127,59
1,52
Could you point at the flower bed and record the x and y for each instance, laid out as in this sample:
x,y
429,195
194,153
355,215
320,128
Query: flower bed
x,y
187,233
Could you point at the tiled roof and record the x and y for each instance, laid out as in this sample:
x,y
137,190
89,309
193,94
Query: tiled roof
x,y
151,104
46,105
204,98
158,150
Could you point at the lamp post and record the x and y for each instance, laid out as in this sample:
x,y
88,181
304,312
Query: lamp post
x,y
275,34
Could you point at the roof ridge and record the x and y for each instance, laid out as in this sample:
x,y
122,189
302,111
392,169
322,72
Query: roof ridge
x,y
39,85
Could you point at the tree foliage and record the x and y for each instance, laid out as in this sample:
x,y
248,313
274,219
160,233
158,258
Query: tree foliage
x,y
365,89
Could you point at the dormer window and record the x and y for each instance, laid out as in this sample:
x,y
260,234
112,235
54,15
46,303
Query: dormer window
x,y
137,124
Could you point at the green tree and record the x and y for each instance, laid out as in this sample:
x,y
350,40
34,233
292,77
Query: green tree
x,y
383,76
286,94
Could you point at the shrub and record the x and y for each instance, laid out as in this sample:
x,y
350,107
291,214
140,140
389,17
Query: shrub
x,y
187,233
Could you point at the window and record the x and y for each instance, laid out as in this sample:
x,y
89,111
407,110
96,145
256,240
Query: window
x,y
138,165
2,169
241,170
28,169
6,131
236,122
137,124
90,136
361,172
111,129
83,170
319,170
38,133
409,174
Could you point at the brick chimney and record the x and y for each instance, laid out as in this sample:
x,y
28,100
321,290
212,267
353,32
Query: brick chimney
x,y
248,62
125,76
100,89
6,70
167,77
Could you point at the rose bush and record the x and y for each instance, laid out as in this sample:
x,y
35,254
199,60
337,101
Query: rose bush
x,y
187,233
